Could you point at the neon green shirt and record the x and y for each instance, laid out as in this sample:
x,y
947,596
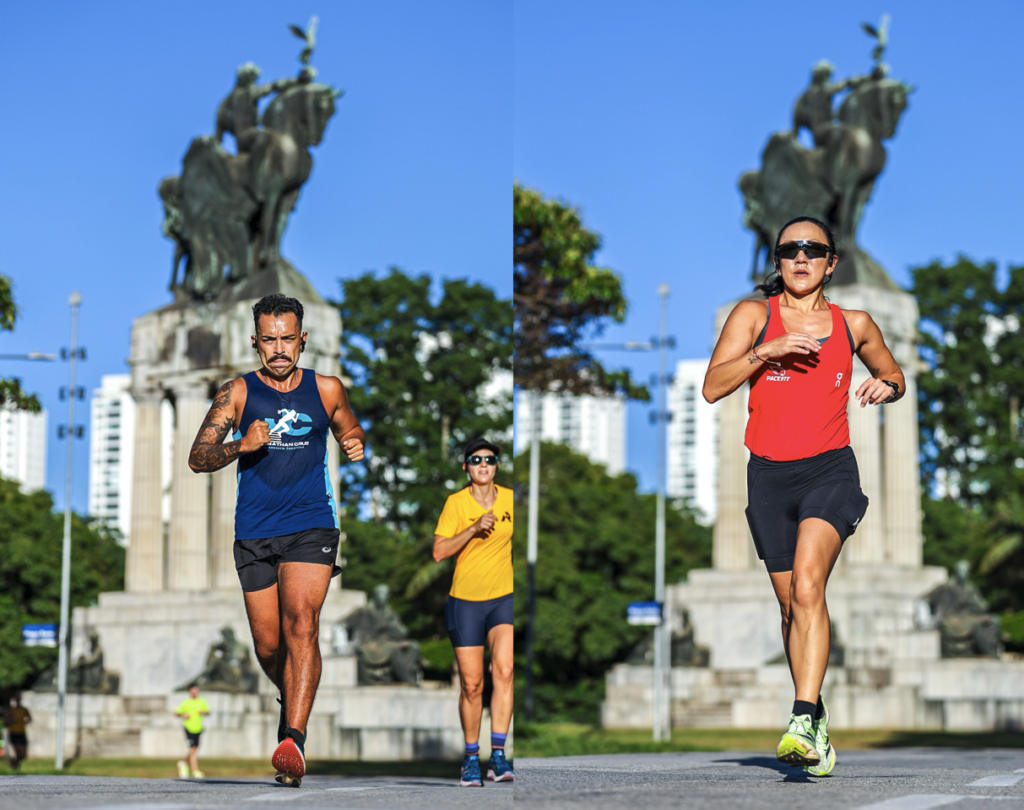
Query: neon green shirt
x,y
194,721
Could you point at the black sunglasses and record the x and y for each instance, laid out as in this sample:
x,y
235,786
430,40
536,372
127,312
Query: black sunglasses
x,y
491,461
812,250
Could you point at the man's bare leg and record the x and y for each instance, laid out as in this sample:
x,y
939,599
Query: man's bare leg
x,y
500,642
193,759
302,588
264,614
471,693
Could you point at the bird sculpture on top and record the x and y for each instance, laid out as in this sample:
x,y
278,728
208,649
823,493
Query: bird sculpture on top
x,y
309,36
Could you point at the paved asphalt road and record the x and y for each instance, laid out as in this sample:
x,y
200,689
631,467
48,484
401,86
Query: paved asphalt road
x,y
334,792
894,779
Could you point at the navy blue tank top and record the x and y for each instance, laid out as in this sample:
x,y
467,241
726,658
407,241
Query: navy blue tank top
x,y
285,486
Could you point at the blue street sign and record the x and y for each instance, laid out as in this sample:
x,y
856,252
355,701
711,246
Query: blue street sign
x,y
644,613
39,635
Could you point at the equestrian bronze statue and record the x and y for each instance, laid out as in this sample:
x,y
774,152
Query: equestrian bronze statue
x,y
834,179
226,212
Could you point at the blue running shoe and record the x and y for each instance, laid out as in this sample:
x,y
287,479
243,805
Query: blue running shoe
x,y
498,769
471,772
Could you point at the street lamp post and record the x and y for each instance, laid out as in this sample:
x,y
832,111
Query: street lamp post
x,y
662,727
536,417
65,574
536,404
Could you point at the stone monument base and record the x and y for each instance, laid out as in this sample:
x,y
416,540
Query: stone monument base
x,y
385,723
159,641
892,674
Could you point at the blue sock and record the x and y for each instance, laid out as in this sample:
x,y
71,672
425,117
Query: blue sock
x,y
473,749
498,741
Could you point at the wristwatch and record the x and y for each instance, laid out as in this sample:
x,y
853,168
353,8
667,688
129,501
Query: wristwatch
x,y
895,392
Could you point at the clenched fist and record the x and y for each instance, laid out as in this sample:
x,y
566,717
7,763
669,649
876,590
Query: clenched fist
x,y
353,449
485,523
255,437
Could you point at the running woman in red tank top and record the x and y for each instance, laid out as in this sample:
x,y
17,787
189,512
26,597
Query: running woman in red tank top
x,y
803,488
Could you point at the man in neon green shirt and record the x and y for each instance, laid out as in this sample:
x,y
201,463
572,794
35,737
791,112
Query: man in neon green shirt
x,y
192,709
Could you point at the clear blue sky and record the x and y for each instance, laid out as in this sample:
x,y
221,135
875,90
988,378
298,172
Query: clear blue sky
x,y
103,99
645,115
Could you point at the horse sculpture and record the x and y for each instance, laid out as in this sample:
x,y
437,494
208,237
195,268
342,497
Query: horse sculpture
x,y
834,180
226,212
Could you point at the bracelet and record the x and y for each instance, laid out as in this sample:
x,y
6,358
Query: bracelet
x,y
896,393
753,352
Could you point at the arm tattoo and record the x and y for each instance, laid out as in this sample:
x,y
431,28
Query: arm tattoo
x,y
874,371
208,453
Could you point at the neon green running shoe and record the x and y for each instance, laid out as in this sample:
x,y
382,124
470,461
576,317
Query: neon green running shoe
x,y
824,748
797,745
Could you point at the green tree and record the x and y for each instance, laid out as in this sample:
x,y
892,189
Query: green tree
x,y
30,552
421,373
972,453
596,535
968,399
11,393
561,297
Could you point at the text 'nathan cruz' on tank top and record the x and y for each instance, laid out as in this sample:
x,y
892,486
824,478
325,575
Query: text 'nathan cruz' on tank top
x,y
285,486
797,409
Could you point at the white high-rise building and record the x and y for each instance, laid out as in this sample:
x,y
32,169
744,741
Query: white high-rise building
x,y
693,441
111,439
23,448
592,426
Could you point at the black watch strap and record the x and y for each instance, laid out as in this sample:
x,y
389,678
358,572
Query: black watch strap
x,y
896,394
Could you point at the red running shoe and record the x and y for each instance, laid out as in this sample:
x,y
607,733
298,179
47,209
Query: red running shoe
x,y
290,763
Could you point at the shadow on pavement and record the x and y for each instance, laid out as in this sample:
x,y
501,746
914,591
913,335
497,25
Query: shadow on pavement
x,y
793,774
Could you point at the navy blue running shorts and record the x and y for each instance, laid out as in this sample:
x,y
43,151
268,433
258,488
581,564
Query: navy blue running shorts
x,y
470,622
256,560
780,494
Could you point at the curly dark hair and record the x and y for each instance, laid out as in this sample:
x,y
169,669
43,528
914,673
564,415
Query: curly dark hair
x,y
276,304
773,284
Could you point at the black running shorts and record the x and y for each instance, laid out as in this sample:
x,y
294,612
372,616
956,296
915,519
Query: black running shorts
x,y
469,622
780,494
256,560
193,738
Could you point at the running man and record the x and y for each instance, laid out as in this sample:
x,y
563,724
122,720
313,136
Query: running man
x,y
286,522
803,486
192,710
476,524
16,719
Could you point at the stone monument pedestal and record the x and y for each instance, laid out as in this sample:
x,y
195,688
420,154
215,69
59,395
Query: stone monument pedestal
x,y
158,641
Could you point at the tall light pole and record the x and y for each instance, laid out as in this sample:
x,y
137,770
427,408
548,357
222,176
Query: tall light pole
x,y
65,571
536,418
536,404
662,728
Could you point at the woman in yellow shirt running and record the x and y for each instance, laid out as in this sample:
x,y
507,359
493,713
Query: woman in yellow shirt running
x,y
476,525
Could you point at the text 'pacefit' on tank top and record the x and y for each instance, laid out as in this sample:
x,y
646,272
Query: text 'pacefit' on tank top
x,y
797,409
285,486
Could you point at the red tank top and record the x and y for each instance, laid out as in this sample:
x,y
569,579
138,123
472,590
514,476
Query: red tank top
x,y
798,410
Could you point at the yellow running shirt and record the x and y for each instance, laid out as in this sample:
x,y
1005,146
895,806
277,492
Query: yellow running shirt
x,y
194,721
483,569
19,714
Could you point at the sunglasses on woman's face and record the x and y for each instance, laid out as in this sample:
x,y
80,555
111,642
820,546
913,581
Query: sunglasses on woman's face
x,y
490,461
812,250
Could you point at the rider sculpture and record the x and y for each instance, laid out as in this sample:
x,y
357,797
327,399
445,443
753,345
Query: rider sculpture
x,y
226,212
834,180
